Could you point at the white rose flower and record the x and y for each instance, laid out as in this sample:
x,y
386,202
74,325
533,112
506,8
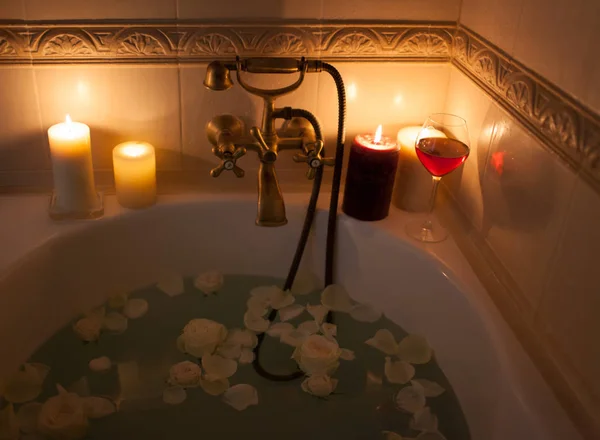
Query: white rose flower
x,y
63,417
202,336
317,355
186,374
319,385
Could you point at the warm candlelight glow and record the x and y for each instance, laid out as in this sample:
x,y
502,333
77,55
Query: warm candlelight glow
x,y
68,120
378,132
134,166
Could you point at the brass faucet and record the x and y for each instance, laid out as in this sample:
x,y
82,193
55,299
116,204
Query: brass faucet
x,y
226,132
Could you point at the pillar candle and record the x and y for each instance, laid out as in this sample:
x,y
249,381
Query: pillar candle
x,y
134,166
370,177
73,174
413,185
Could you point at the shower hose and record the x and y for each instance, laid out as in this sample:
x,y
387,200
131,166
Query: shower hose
x,y
310,215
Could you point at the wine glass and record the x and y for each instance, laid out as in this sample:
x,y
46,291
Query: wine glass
x,y
442,145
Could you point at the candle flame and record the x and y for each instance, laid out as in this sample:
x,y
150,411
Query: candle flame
x,y
68,119
377,137
134,150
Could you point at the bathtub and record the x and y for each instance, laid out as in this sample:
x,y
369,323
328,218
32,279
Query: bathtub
x,y
53,271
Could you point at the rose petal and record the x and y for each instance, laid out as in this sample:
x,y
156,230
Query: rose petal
x,y
214,388
282,301
100,364
309,327
24,385
279,328
424,420
245,338
117,300
9,424
365,313
172,285
241,396
290,312
257,305
174,395
319,385
135,308
181,343
411,398
266,292
293,338
217,367
88,329
247,356
115,322
27,415
318,312
329,330
388,435
347,355
209,282
98,407
229,351
336,298
398,371
305,283
431,389
186,374
383,341
255,323
415,349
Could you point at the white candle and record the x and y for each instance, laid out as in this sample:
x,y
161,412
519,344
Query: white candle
x,y
412,188
135,174
70,149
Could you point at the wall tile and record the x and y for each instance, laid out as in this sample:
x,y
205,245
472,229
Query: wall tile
x,y
465,99
200,105
570,307
496,20
105,9
526,191
391,94
22,142
391,10
558,42
209,9
12,9
119,103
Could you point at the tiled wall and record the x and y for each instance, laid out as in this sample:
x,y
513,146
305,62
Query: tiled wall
x,y
539,221
558,39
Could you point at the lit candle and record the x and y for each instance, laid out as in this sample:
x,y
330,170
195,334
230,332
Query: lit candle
x,y
412,188
74,190
134,166
370,177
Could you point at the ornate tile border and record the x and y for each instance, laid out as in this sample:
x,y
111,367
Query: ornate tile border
x,y
183,42
570,129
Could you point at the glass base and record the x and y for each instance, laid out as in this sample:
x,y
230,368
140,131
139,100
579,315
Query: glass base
x,y
93,212
428,230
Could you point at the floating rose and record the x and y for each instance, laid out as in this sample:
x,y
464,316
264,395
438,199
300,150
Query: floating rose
x,y
201,336
318,355
320,385
186,374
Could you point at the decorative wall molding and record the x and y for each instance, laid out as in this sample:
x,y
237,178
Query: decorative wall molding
x,y
567,127
183,42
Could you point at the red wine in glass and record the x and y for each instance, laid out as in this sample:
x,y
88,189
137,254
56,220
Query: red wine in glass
x,y
441,155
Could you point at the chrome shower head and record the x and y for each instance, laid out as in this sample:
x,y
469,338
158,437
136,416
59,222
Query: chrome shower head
x,y
217,77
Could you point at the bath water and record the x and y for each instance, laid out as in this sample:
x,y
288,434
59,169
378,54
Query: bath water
x,y
359,409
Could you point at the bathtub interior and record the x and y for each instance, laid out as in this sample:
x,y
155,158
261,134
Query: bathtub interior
x,y
78,269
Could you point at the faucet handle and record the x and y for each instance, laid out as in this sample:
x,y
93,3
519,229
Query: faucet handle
x,y
228,161
314,159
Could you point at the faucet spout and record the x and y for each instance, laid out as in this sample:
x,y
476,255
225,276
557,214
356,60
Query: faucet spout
x,y
271,209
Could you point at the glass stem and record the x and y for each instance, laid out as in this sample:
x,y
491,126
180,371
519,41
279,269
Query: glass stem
x,y
436,182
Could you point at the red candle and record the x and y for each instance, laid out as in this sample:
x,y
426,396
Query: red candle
x,y
370,178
